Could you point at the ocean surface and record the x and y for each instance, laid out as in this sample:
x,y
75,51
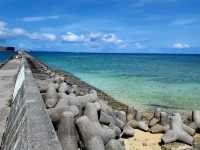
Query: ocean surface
x,y
5,55
142,79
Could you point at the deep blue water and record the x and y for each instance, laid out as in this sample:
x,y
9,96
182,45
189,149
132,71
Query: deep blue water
x,y
5,55
142,79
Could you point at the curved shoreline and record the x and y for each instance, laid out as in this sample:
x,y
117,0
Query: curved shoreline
x,y
114,103
35,63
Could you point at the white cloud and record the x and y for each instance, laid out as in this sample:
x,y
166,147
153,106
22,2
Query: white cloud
x,y
38,18
111,38
89,39
2,25
93,37
8,33
72,37
19,31
181,45
140,3
3,30
42,36
185,21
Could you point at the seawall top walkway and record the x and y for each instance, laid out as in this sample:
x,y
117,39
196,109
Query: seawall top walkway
x,y
8,73
27,125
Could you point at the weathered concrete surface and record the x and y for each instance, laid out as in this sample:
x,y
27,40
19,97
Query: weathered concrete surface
x,y
28,125
7,79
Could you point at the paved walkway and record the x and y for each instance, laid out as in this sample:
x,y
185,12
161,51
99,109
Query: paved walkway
x,y
7,79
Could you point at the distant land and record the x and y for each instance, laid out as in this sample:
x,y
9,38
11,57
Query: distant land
x,y
3,48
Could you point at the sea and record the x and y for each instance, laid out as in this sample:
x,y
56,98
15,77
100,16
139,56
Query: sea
x,y
5,55
164,80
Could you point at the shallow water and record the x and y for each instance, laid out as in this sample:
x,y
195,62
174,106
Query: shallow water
x,y
142,79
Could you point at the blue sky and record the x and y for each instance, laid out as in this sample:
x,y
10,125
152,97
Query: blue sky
x,y
149,26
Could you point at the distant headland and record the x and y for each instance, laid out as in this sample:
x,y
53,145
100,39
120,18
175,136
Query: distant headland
x,y
7,48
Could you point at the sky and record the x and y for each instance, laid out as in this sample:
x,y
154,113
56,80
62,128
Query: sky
x,y
124,26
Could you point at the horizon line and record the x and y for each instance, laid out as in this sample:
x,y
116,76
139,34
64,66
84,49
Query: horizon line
x,y
118,53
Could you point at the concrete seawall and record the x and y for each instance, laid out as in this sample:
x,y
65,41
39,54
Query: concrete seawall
x,y
28,125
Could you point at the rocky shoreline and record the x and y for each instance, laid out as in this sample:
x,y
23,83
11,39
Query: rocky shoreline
x,y
94,112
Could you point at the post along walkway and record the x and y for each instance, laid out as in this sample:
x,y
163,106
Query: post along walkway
x,y
8,73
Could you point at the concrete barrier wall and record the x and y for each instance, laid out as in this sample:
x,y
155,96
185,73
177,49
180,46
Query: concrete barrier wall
x,y
28,126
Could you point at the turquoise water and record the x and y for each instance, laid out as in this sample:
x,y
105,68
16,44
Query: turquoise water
x,y
5,55
141,79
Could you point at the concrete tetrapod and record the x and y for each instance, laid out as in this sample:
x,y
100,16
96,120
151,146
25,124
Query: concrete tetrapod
x,y
67,133
56,113
114,145
104,132
63,87
121,115
78,103
108,119
51,96
131,113
138,125
87,130
136,121
81,101
127,132
160,122
58,79
196,120
177,132
156,117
